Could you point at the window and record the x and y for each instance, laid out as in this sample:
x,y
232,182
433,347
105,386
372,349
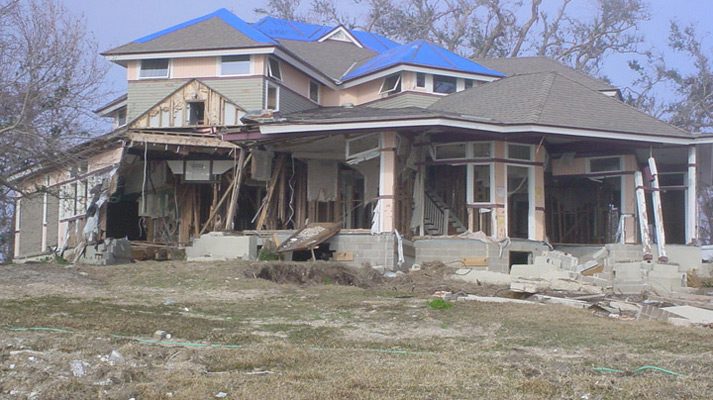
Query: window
x,y
604,164
121,117
520,152
392,84
273,69
420,80
362,148
449,151
480,183
272,97
235,65
444,84
314,91
196,113
481,149
468,83
157,68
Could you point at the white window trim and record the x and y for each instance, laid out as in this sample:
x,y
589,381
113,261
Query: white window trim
x,y
269,84
531,209
532,152
269,68
588,165
219,66
425,80
469,152
169,71
431,86
469,185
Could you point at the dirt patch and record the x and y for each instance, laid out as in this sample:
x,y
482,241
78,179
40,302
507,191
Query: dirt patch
x,y
315,274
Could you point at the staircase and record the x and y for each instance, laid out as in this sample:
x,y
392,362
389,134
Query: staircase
x,y
437,217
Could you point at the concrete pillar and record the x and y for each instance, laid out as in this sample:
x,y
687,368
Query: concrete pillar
x,y
387,181
691,199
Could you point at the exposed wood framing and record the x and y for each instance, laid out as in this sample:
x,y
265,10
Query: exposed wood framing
x,y
271,191
235,188
180,140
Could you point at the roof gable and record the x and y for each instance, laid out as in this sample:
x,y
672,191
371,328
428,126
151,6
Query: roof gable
x,y
218,30
283,29
552,99
421,53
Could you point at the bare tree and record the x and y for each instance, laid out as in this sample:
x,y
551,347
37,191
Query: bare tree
x,y
50,80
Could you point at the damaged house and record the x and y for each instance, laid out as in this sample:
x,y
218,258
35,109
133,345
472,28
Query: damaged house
x,y
387,153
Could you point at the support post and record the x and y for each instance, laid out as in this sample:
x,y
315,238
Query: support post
x,y
643,215
237,181
387,180
692,198
658,212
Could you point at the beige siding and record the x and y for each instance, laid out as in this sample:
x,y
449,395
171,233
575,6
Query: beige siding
x,y
143,95
405,100
31,211
292,102
245,92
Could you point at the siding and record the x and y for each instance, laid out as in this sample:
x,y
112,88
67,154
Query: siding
x,y
143,95
245,92
405,100
292,102
31,210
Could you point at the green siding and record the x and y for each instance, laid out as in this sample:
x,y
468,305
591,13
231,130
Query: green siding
x,y
292,102
143,95
245,92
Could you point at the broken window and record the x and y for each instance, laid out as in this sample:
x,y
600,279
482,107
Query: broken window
x,y
480,186
235,65
157,68
449,151
444,84
392,84
314,91
362,148
272,98
520,152
273,69
196,113
604,164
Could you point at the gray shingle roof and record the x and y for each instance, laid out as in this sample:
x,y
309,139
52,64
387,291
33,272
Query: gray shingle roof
x,y
211,34
357,114
528,65
552,99
331,57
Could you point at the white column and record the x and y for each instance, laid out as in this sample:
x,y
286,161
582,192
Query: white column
x,y
692,198
643,215
387,180
658,211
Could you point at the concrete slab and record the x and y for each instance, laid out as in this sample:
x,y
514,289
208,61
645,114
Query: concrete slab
x,y
222,246
694,314
481,276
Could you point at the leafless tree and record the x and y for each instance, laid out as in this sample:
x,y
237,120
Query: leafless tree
x,y
50,80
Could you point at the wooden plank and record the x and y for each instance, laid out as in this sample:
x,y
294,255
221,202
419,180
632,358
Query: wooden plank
x,y
343,256
475,261
270,192
181,140
310,236
237,183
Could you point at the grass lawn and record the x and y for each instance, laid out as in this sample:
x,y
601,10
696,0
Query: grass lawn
x,y
251,338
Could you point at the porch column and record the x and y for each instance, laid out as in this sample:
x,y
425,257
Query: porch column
x,y
691,199
387,179
539,171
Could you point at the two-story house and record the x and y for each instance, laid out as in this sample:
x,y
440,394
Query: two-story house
x,y
418,153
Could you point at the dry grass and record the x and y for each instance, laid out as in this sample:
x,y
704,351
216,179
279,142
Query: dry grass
x,y
315,341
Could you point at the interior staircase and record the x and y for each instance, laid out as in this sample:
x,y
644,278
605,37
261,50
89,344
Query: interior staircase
x,y
438,219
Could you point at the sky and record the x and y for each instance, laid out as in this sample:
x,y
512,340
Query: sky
x,y
114,23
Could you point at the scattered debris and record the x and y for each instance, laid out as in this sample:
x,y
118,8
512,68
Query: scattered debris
x,y
77,367
160,335
115,356
221,394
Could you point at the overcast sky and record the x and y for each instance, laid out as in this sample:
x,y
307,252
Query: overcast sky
x,y
114,23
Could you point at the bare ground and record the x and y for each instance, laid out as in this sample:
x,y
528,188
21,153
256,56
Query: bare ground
x,y
324,332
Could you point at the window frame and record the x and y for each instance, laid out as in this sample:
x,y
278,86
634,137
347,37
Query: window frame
x,y
529,146
421,75
317,91
589,165
470,187
169,64
269,85
270,72
435,78
221,62
395,88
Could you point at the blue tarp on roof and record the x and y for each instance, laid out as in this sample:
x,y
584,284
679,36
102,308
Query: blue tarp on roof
x,y
227,17
421,53
293,30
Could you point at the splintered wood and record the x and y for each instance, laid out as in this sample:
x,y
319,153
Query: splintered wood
x,y
309,237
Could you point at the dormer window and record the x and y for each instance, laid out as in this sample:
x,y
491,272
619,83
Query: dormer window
x,y
273,69
234,65
392,84
444,84
420,80
468,83
156,68
121,117
314,91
